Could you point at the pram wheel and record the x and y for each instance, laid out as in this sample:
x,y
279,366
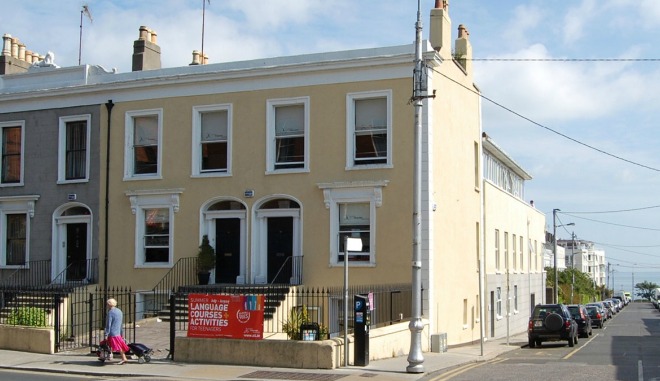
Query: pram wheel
x,y
147,358
141,360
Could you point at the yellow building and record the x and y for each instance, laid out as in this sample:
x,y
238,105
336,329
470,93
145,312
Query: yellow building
x,y
277,160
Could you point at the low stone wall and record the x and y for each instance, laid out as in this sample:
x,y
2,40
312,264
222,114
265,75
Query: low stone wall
x,y
27,339
385,342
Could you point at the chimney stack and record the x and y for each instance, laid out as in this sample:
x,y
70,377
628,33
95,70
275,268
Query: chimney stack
x,y
464,49
146,52
15,58
440,32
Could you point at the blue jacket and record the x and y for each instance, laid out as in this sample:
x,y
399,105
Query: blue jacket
x,y
113,322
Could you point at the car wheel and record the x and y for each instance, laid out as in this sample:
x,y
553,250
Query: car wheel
x,y
575,339
554,322
538,342
571,341
532,343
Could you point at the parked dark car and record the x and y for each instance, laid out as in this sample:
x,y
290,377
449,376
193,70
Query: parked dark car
x,y
551,322
582,318
596,316
602,309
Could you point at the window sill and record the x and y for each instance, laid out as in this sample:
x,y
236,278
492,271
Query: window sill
x,y
287,171
369,166
163,265
134,178
78,181
11,185
354,264
202,175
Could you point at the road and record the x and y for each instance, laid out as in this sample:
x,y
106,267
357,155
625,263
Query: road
x,y
625,349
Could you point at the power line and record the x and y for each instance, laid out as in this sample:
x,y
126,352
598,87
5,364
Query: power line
x,y
614,224
616,211
545,127
565,59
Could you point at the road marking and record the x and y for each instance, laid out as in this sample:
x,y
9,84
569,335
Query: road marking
x,y
455,372
576,350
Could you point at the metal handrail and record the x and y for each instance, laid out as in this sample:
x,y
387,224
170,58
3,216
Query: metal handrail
x,y
296,269
184,272
91,272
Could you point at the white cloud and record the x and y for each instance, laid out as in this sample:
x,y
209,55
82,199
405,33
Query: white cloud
x,y
525,18
576,18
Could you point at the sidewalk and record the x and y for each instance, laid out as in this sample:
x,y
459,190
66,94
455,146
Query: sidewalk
x,y
82,362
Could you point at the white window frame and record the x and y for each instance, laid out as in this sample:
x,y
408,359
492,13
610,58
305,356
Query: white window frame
x,y
350,128
129,152
497,250
197,139
498,302
61,157
271,147
342,193
515,299
21,124
15,205
153,199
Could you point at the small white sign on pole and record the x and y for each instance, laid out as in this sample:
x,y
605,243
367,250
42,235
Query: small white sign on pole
x,y
354,244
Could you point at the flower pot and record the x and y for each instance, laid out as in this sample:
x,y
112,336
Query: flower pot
x,y
203,278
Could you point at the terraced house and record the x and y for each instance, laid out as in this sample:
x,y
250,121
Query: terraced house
x,y
276,160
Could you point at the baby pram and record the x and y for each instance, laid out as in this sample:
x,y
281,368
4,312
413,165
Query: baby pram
x,y
141,351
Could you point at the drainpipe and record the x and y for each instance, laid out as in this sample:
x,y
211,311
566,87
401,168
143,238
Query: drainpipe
x,y
109,105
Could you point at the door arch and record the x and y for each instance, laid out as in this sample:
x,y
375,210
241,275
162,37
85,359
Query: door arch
x,y
72,244
277,241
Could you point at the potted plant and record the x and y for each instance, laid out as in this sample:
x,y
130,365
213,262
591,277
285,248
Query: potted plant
x,y
205,261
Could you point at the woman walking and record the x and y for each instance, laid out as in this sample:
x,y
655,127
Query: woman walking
x,y
113,327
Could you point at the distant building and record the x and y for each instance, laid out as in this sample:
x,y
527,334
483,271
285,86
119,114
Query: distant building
x,y
584,256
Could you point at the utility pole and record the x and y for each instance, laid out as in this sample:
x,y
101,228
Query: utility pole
x,y
415,357
555,295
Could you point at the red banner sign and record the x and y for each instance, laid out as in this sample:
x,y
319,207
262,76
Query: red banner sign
x,y
228,316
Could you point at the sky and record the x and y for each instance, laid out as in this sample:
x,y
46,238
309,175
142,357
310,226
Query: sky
x,y
569,87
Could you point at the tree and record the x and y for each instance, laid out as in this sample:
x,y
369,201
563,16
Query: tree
x,y
646,289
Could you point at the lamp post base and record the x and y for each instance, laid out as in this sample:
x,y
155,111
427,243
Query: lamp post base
x,y
415,357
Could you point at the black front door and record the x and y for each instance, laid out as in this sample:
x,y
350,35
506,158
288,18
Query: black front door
x,y
280,248
227,249
76,251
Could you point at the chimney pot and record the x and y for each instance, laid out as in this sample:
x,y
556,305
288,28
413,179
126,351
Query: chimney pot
x,y
21,51
144,33
28,56
154,37
195,60
6,44
14,47
463,32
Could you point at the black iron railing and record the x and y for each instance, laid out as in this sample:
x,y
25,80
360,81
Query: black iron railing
x,y
29,274
78,273
183,273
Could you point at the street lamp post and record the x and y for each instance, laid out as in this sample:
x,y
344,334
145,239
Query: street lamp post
x,y
554,250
